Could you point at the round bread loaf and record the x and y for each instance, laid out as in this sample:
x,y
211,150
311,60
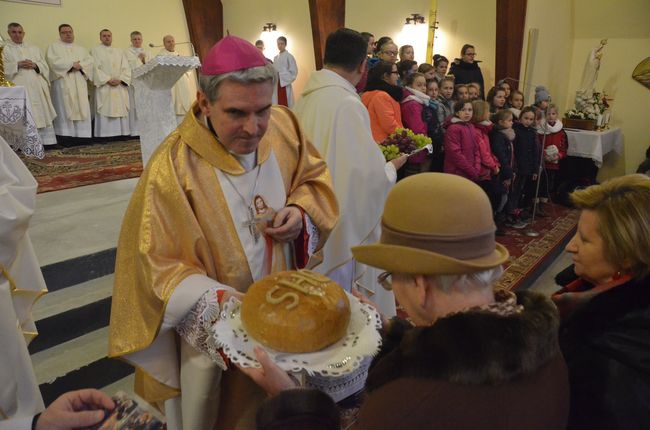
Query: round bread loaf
x,y
296,311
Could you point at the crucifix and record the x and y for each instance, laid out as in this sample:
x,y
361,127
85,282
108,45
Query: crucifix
x,y
251,224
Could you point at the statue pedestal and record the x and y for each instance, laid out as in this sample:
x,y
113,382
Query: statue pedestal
x,y
580,124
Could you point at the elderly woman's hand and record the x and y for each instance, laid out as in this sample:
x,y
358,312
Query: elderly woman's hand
x,y
270,376
366,300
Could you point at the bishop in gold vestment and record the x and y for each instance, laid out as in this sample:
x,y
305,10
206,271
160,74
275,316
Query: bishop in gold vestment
x,y
185,234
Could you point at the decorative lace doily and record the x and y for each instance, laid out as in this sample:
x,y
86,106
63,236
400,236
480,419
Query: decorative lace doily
x,y
361,341
167,60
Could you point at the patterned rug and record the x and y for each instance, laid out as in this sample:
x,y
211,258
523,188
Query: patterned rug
x,y
529,256
86,165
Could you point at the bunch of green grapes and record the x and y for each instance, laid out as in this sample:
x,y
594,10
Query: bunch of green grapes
x,y
421,140
390,151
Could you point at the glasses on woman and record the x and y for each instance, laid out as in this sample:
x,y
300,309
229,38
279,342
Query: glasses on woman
x,y
391,53
385,279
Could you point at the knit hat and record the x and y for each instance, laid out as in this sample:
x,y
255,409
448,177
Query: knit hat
x,y
435,224
541,94
231,54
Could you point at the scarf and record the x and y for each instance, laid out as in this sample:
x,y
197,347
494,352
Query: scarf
x,y
394,91
547,128
507,132
417,96
579,292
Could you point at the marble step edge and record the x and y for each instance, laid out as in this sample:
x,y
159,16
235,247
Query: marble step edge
x,y
97,374
77,270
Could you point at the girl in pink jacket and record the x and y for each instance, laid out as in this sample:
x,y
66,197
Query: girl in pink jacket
x,y
489,163
462,156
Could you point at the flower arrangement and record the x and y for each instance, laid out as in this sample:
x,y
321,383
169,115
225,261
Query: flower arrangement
x,y
589,107
402,141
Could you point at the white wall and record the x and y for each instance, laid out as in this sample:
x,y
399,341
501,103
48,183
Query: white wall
x,y
245,18
550,57
468,21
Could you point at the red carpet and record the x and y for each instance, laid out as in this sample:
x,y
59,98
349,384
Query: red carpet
x,y
86,165
529,256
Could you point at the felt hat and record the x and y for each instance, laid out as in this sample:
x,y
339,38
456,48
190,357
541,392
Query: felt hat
x,y
435,224
231,54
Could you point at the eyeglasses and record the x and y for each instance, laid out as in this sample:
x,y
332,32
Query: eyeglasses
x,y
470,54
395,72
385,279
391,53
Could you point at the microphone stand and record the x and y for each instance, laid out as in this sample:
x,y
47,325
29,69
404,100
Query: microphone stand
x,y
531,232
151,45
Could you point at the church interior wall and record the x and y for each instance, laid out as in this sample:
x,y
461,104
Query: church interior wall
x,y
154,18
625,25
472,22
245,18
549,54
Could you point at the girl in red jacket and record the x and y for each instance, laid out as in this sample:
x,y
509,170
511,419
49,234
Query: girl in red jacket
x,y
555,149
462,156
489,163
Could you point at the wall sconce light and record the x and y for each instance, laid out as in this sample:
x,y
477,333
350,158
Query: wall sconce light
x,y
415,18
269,27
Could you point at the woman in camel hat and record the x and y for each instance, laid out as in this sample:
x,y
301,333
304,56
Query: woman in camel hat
x,y
471,357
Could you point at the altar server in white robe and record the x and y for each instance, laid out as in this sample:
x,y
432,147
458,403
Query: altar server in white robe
x,y
183,90
25,66
137,56
70,67
337,123
21,284
112,76
287,69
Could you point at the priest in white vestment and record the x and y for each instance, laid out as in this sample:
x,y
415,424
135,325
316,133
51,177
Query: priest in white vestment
x,y
21,284
337,123
287,69
25,66
198,230
70,67
183,90
112,76
137,56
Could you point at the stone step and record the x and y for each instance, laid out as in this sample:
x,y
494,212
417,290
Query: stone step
x,y
77,222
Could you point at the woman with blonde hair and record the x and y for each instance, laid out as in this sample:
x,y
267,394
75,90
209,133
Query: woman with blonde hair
x,y
605,306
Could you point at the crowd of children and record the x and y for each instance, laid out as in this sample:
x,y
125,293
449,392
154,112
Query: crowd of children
x,y
499,142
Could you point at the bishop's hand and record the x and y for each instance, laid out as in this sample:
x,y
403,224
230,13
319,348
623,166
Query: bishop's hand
x,y
287,224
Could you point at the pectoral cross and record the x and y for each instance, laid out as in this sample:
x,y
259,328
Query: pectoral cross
x,y
251,224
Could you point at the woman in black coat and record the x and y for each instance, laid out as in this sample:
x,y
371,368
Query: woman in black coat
x,y
605,307
466,70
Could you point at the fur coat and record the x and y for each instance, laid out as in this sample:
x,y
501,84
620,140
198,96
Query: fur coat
x,y
471,370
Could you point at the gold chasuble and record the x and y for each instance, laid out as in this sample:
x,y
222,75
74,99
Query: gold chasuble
x,y
178,224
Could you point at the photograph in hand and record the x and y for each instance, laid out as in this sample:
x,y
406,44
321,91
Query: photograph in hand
x,y
133,413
